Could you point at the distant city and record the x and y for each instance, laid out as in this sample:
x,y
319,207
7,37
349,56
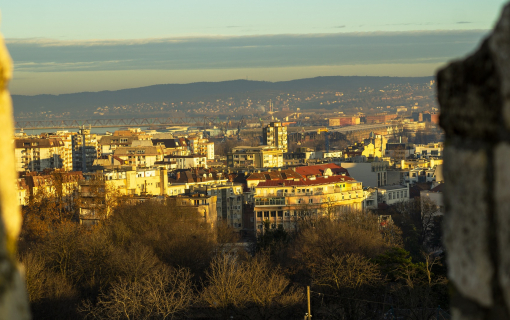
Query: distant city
x,y
365,148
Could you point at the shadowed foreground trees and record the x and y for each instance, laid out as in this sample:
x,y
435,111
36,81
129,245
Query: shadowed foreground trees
x,y
154,261
253,289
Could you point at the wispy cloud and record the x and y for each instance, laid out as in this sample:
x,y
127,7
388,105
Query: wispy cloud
x,y
464,22
339,27
258,51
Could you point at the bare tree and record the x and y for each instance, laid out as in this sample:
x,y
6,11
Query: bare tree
x,y
347,271
251,288
159,295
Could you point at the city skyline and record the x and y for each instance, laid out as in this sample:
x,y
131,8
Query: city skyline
x,y
59,47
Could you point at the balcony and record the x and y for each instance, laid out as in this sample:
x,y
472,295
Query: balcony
x,y
270,201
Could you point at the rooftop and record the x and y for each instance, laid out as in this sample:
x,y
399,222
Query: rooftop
x,y
309,182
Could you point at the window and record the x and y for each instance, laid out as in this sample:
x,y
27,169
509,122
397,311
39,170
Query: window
x,y
310,200
287,213
280,213
273,213
266,214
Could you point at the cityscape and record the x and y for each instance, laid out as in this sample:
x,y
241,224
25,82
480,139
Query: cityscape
x,y
236,160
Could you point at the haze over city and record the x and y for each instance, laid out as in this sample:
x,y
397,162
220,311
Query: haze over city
x,y
62,47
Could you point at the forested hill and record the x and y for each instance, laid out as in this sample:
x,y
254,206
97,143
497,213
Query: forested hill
x,y
197,91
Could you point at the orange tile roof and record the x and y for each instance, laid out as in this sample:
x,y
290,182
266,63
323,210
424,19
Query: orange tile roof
x,y
316,181
318,170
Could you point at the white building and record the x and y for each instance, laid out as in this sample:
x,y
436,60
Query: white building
x,y
394,194
187,162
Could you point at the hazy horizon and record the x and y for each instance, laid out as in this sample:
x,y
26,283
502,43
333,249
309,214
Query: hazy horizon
x,y
60,47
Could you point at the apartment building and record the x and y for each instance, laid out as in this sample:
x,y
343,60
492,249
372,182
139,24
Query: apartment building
x,y
255,157
275,134
394,194
429,150
283,203
186,162
140,156
137,181
108,144
201,146
196,204
85,150
229,203
38,154
67,156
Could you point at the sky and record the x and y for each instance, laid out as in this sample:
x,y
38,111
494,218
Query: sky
x,y
73,46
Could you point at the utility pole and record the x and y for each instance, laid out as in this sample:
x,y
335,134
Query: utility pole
x,y
309,314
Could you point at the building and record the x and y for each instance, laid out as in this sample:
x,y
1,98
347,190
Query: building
x,y
229,203
394,194
380,118
22,193
197,178
399,151
137,181
429,150
139,156
255,178
85,150
38,154
431,201
255,157
196,204
343,121
176,147
283,203
108,144
186,162
321,170
67,156
371,174
275,134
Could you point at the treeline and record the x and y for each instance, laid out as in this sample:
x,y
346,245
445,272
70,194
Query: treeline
x,y
153,261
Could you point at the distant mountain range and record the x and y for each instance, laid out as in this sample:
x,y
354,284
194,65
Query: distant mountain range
x,y
197,91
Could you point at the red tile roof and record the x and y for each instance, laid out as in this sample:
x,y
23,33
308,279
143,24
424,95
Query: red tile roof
x,y
275,175
309,182
318,170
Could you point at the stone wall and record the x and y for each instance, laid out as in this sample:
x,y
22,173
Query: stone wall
x,y
474,95
13,297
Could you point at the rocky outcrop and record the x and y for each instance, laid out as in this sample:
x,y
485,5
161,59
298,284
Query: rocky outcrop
x,y
474,95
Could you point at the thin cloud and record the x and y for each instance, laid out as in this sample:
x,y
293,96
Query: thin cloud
x,y
229,52
339,27
230,27
464,22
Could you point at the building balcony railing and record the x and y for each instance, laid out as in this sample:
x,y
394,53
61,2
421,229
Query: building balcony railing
x,y
270,201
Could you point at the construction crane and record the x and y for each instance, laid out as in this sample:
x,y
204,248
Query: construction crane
x,y
325,130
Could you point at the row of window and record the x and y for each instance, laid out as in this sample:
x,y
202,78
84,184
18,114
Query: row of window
x,y
393,195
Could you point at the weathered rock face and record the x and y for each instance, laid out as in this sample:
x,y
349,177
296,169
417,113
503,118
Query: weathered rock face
x,y
13,297
474,95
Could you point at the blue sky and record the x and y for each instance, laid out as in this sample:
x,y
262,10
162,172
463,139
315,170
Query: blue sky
x,y
69,46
